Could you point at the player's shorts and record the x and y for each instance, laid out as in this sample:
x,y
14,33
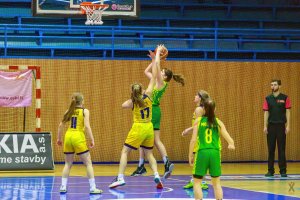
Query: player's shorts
x,y
207,159
140,135
156,116
75,142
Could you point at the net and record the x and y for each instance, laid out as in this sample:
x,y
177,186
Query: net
x,y
22,119
93,12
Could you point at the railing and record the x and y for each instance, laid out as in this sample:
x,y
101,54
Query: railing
x,y
105,42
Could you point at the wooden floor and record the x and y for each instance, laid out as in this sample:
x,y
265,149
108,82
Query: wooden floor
x,y
277,186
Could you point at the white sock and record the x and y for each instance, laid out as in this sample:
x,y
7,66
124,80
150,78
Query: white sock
x,y
92,183
64,182
192,180
165,158
120,176
141,162
156,174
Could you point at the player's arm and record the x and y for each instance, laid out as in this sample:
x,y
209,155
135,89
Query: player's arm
x,y
193,142
59,133
226,135
198,113
87,127
148,70
152,80
160,78
127,104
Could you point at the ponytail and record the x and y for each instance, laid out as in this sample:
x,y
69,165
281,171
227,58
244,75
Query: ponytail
x,y
77,99
70,111
209,107
177,77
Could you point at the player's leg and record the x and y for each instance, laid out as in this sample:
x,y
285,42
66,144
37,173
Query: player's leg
x,y
162,150
153,165
217,188
86,159
119,180
69,158
140,170
197,188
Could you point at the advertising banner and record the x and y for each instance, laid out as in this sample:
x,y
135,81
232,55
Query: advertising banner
x,y
26,151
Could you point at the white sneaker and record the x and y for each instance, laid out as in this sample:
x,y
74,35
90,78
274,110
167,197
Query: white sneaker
x,y
117,182
158,182
63,189
96,191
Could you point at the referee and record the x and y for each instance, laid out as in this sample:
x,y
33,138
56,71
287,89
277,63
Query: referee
x,y
276,125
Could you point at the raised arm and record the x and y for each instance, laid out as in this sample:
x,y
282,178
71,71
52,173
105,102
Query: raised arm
x,y
152,80
148,70
226,135
87,127
160,78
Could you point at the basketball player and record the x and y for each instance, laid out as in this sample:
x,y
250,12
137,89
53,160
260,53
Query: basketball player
x,y
161,84
141,133
206,132
75,142
200,97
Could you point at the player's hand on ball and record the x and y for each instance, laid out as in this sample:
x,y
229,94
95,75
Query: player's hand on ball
x,y
151,55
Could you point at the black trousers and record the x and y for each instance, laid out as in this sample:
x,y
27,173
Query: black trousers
x,y
276,134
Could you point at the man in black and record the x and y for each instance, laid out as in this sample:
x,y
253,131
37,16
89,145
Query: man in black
x,y
276,125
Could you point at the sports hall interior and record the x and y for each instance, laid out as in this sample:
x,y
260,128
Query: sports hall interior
x,y
230,48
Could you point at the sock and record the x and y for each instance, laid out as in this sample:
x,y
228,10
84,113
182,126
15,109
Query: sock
x,y
120,176
64,182
92,184
165,158
156,174
203,182
192,180
141,162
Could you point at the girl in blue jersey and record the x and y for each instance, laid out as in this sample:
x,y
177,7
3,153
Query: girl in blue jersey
x,y
78,119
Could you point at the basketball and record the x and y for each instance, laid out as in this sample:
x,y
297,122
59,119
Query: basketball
x,y
163,54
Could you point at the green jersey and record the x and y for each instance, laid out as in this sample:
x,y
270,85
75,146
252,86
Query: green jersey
x,y
158,93
208,138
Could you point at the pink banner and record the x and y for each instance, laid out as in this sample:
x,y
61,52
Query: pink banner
x,y
15,88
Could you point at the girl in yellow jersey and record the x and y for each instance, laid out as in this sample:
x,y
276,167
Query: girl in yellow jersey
x,y
74,141
163,78
200,97
141,134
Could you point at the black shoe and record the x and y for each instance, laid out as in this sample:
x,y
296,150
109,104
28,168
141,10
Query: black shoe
x,y
139,171
269,174
283,175
168,169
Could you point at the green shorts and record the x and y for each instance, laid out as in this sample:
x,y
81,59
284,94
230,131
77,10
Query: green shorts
x,y
207,159
156,116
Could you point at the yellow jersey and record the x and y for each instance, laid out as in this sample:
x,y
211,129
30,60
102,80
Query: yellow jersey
x,y
77,120
143,114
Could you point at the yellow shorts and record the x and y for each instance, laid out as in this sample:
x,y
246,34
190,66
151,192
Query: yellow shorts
x,y
140,135
75,142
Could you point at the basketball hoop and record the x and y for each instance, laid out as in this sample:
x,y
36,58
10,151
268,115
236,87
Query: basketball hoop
x,y
93,12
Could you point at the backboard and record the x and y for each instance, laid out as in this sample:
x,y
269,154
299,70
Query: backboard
x,y
71,8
